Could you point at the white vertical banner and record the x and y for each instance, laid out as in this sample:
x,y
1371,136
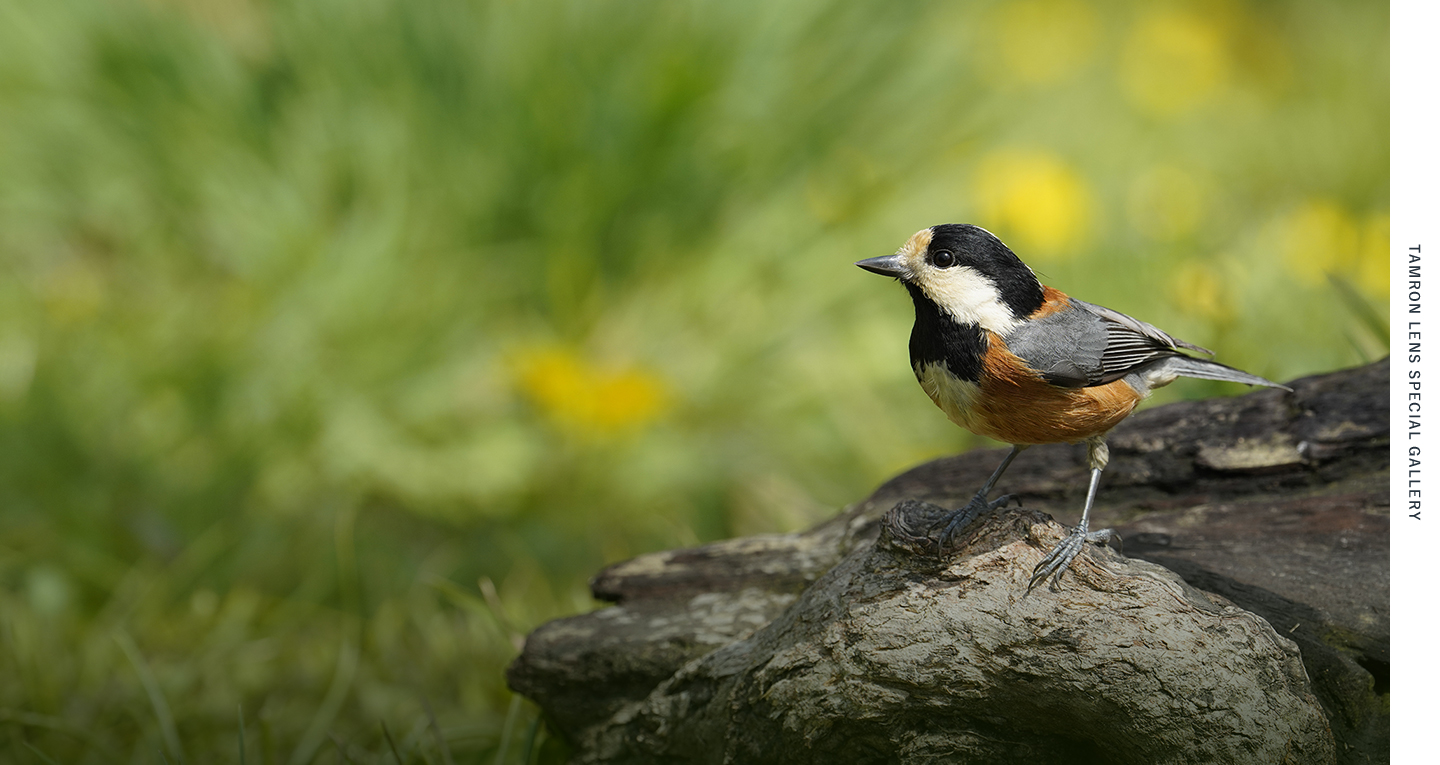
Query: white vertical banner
x,y
1415,375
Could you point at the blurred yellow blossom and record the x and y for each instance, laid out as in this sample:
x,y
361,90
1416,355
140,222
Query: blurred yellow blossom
x,y
1196,288
1374,270
244,24
586,398
1033,198
1173,60
74,292
1036,42
1319,238
1166,202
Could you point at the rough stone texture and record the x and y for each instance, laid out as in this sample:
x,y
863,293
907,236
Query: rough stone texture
x,y
673,607
881,662
1276,501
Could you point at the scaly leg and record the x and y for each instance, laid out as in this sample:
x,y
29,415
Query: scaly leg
x,y
1058,561
959,518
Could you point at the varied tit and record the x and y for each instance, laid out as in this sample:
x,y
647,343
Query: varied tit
x,y
1016,361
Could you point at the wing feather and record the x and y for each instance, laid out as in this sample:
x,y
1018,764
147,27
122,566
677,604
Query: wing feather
x,y
1084,345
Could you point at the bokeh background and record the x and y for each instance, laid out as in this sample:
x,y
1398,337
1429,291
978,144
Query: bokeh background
x,y
341,341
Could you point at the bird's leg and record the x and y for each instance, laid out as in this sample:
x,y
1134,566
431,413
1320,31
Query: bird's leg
x,y
957,519
1058,561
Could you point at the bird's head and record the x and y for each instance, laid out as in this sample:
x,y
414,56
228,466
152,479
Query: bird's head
x,y
967,272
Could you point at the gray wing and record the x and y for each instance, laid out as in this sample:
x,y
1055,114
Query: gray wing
x,y
1086,344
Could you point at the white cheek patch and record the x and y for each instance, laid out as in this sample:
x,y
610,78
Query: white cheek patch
x,y
969,296
954,396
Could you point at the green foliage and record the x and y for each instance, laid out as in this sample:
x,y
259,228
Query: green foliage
x,y
341,341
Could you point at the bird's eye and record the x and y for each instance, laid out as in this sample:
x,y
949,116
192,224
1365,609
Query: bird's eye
x,y
943,258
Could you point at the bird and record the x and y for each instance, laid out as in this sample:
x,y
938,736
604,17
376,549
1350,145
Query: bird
x,y
1009,358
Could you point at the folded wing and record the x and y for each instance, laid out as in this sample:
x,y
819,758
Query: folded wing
x,y
1084,345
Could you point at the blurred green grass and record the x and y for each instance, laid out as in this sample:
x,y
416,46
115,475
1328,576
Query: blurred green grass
x,y
341,342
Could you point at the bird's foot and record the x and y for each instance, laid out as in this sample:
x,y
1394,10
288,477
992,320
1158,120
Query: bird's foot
x,y
1058,561
953,522
923,528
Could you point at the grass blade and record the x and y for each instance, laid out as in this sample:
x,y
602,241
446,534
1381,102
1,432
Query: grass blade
x,y
43,757
339,747
1361,308
59,725
345,667
152,689
391,741
531,737
439,736
505,736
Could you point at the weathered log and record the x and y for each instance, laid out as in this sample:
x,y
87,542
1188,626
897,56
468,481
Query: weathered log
x,y
829,646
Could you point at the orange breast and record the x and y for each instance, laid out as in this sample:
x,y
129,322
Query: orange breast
x,y
1017,406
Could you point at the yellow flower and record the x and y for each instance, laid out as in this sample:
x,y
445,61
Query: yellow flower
x,y
74,292
588,399
1037,42
1173,61
1375,256
1319,238
1034,199
1166,203
1196,288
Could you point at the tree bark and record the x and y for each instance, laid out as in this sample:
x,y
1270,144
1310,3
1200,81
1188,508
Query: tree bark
x,y
838,644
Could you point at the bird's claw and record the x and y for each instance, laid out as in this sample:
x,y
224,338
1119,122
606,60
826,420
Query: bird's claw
x,y
1054,565
956,520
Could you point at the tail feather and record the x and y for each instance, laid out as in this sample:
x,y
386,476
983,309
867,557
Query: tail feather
x,y
1212,370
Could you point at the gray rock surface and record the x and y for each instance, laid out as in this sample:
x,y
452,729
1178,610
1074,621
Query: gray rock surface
x,y
834,645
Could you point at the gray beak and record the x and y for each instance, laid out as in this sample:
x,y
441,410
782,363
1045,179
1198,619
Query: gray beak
x,y
888,265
